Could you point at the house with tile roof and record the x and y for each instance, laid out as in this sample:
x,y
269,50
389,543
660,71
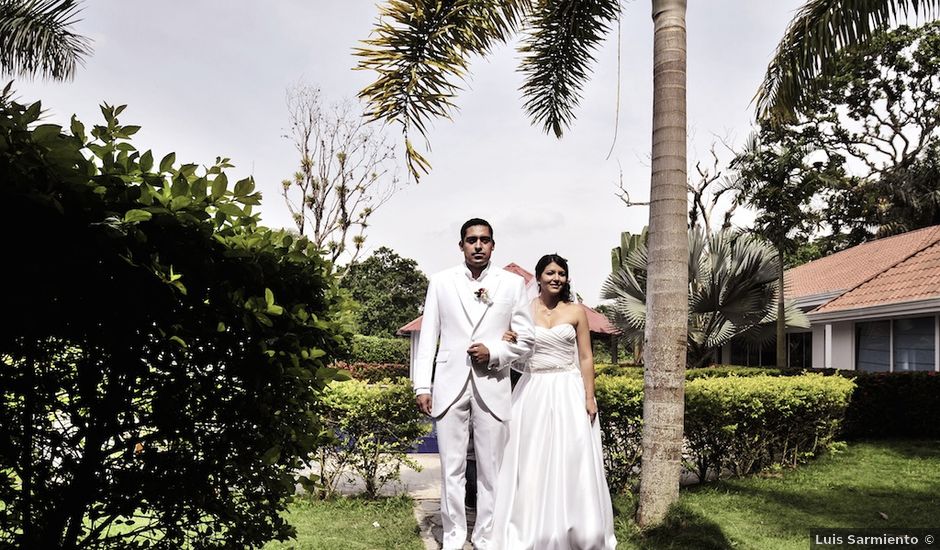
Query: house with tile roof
x,y
872,307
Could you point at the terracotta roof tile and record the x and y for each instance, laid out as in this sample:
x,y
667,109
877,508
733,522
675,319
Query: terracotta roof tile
x,y
916,278
851,267
515,268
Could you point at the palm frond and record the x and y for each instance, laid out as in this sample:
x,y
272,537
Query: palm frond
x,y
818,31
557,53
35,39
420,51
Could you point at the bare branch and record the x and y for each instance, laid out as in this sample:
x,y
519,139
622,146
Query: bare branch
x,y
624,195
346,172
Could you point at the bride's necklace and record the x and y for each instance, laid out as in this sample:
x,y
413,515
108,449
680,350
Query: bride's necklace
x,y
548,311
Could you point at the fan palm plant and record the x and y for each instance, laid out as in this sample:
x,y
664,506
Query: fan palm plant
x,y
733,291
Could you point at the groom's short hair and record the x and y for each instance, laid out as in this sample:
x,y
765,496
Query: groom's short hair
x,y
473,222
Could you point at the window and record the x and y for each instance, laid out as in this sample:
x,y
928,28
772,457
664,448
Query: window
x,y
914,344
873,346
800,350
901,345
753,355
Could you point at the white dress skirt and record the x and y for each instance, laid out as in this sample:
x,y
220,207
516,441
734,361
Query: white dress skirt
x,y
552,491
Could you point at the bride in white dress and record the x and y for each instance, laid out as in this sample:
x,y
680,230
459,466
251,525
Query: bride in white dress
x,y
552,492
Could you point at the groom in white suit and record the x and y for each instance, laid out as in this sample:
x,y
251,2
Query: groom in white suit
x,y
470,307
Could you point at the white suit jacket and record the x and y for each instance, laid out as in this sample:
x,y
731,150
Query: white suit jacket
x,y
452,315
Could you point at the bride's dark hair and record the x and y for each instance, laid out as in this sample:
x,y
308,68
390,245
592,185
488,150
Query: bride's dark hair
x,y
562,263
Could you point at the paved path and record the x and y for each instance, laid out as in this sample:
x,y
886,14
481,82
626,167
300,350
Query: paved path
x,y
425,488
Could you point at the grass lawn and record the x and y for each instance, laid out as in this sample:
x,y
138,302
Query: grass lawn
x,y
849,489
347,523
873,484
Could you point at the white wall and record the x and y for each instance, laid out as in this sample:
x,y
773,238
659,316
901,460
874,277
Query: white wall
x,y
834,345
819,346
843,345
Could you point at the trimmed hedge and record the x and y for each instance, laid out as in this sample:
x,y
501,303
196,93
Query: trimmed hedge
x,y
897,404
721,371
744,424
375,425
621,369
374,349
620,402
374,372
884,404
715,371
747,424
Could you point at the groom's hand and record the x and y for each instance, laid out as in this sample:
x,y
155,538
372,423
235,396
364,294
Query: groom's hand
x,y
479,354
424,403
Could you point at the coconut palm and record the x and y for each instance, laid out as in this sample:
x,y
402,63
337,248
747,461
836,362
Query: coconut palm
x,y
36,40
733,291
820,29
421,50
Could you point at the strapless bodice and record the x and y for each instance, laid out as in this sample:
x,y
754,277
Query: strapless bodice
x,y
554,349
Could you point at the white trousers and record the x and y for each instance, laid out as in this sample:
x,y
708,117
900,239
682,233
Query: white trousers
x,y
490,436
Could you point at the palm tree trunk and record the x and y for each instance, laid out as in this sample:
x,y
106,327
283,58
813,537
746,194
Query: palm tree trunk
x,y
781,319
667,282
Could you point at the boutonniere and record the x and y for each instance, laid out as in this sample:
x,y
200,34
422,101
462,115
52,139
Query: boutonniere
x,y
483,296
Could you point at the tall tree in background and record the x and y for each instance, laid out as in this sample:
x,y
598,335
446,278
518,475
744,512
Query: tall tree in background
x,y
876,117
820,29
389,289
346,172
36,38
774,178
421,50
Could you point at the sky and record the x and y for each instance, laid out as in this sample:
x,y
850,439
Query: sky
x,y
209,78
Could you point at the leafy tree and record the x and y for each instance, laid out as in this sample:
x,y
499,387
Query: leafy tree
x,y
389,289
775,179
877,118
420,50
35,38
343,176
812,40
162,380
733,290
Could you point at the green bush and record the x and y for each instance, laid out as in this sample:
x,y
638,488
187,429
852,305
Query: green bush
x,y
168,354
374,349
716,371
894,405
746,424
620,406
743,424
620,369
375,425
719,371
374,372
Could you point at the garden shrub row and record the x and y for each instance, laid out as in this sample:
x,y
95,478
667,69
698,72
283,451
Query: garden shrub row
x,y
374,372
620,405
375,425
715,371
375,349
884,404
747,424
739,424
894,405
